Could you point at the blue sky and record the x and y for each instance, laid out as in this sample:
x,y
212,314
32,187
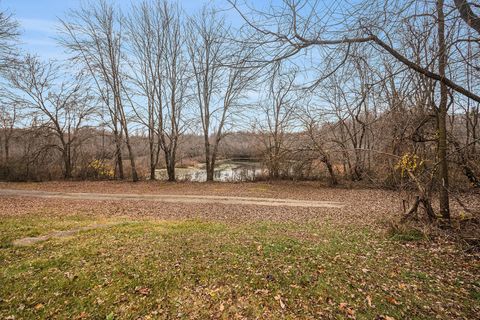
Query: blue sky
x,y
39,20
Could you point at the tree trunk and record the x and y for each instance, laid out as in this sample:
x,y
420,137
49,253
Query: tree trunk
x,y
467,14
131,155
442,116
132,161
119,158
67,161
333,178
210,169
210,173
209,159
152,160
7,151
170,164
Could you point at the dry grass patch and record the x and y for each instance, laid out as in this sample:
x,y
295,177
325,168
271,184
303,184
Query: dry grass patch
x,y
149,268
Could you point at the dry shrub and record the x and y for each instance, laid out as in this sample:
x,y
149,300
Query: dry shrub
x,y
409,231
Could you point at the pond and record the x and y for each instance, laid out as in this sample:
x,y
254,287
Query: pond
x,y
226,171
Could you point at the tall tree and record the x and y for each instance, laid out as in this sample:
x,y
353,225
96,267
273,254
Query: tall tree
x,y
157,36
93,34
220,79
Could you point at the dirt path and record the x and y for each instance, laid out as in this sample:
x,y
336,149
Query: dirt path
x,y
189,199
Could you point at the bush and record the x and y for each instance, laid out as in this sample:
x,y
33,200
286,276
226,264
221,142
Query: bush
x,y
97,169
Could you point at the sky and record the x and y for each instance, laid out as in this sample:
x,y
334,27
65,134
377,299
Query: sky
x,y
39,20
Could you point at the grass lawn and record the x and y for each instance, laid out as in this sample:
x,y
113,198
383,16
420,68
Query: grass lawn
x,y
146,268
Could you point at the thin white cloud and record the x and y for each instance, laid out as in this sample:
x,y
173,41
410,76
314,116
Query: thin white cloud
x,y
38,25
40,42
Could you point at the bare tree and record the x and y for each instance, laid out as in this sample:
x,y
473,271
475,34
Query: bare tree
x,y
161,68
9,114
278,108
299,25
94,36
282,32
311,120
220,79
8,34
442,111
62,107
467,13
8,110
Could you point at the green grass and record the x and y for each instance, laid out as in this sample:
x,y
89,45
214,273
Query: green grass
x,y
200,269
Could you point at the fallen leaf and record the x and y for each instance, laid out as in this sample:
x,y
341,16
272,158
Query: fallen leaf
x,y
369,301
392,301
143,290
82,315
279,299
382,317
264,291
350,312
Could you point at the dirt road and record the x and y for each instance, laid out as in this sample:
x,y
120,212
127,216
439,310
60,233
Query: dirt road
x,y
188,199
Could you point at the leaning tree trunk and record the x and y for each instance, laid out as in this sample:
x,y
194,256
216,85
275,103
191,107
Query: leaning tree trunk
x,y
328,164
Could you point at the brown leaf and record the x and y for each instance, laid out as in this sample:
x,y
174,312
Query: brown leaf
x,y
82,315
392,301
342,306
347,310
143,290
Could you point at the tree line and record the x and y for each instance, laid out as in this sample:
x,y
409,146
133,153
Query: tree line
x,y
385,92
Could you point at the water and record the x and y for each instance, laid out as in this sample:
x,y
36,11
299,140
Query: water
x,y
231,171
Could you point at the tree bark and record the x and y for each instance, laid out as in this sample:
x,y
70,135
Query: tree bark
x,y
67,161
467,14
170,164
7,151
210,166
152,164
119,159
328,164
442,116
